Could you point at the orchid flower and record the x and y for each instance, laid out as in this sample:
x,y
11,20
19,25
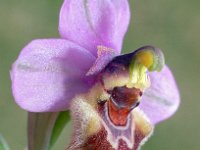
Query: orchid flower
x,y
115,100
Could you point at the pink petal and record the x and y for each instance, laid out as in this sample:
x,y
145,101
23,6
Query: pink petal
x,y
162,99
48,73
95,22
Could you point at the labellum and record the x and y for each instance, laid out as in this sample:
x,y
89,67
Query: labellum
x,y
107,117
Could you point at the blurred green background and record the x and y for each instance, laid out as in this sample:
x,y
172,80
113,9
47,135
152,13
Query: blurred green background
x,y
172,25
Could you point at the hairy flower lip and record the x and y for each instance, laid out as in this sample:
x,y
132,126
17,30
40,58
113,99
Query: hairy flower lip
x,y
117,132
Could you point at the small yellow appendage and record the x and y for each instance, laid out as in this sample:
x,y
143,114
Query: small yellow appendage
x,y
145,58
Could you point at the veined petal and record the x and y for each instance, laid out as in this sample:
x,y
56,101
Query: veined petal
x,y
48,73
162,99
95,22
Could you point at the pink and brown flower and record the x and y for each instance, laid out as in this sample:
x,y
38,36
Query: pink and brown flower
x,y
115,100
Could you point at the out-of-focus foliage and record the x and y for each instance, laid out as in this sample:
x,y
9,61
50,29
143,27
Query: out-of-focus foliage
x,y
3,144
170,25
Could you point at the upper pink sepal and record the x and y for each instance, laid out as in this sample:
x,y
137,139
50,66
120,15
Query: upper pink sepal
x,y
95,22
